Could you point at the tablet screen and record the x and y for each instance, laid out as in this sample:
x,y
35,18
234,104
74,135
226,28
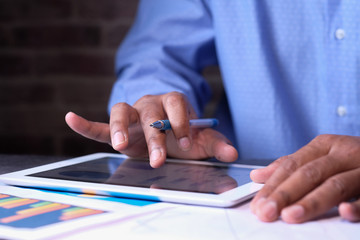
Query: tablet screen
x,y
138,173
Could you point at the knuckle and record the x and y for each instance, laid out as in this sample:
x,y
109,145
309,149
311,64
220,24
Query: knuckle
x,y
290,164
120,106
115,125
313,146
323,137
337,185
285,197
346,148
96,134
320,145
323,141
313,204
280,160
147,98
154,140
175,99
175,93
312,173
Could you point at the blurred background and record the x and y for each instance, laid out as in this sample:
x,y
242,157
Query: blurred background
x,y
58,56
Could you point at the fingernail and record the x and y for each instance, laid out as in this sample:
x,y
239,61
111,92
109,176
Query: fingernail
x,y
269,210
184,143
119,138
260,201
295,212
155,155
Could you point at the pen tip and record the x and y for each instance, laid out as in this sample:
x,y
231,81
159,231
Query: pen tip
x,y
156,124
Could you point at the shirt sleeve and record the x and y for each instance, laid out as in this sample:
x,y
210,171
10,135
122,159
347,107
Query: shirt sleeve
x,y
166,50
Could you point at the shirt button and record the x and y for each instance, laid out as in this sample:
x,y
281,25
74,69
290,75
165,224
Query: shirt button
x,y
340,34
341,111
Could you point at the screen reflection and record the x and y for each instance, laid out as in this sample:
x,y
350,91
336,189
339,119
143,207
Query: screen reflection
x,y
138,172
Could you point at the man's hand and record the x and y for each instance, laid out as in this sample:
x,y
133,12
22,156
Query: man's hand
x,y
306,184
129,131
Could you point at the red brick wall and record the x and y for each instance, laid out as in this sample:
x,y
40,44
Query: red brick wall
x,y
57,56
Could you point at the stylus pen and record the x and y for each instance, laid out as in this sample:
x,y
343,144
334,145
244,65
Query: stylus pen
x,y
194,123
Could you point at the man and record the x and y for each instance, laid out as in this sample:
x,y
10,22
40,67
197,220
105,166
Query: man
x,y
291,75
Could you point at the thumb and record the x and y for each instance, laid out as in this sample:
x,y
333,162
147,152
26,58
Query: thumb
x,y
219,146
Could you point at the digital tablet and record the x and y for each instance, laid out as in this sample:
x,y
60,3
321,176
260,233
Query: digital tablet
x,y
178,181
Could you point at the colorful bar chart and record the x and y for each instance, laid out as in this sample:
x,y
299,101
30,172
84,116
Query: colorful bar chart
x,y
32,213
77,212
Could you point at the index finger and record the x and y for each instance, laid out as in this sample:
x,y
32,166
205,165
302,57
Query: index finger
x,y
93,130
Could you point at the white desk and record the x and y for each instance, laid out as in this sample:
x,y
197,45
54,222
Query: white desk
x,y
192,222
173,221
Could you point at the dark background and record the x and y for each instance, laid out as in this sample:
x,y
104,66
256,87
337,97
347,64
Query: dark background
x,y
58,56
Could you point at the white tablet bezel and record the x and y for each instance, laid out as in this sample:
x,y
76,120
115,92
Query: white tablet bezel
x,y
226,199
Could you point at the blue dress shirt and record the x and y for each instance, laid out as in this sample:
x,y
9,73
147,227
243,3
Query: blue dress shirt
x,y
290,68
